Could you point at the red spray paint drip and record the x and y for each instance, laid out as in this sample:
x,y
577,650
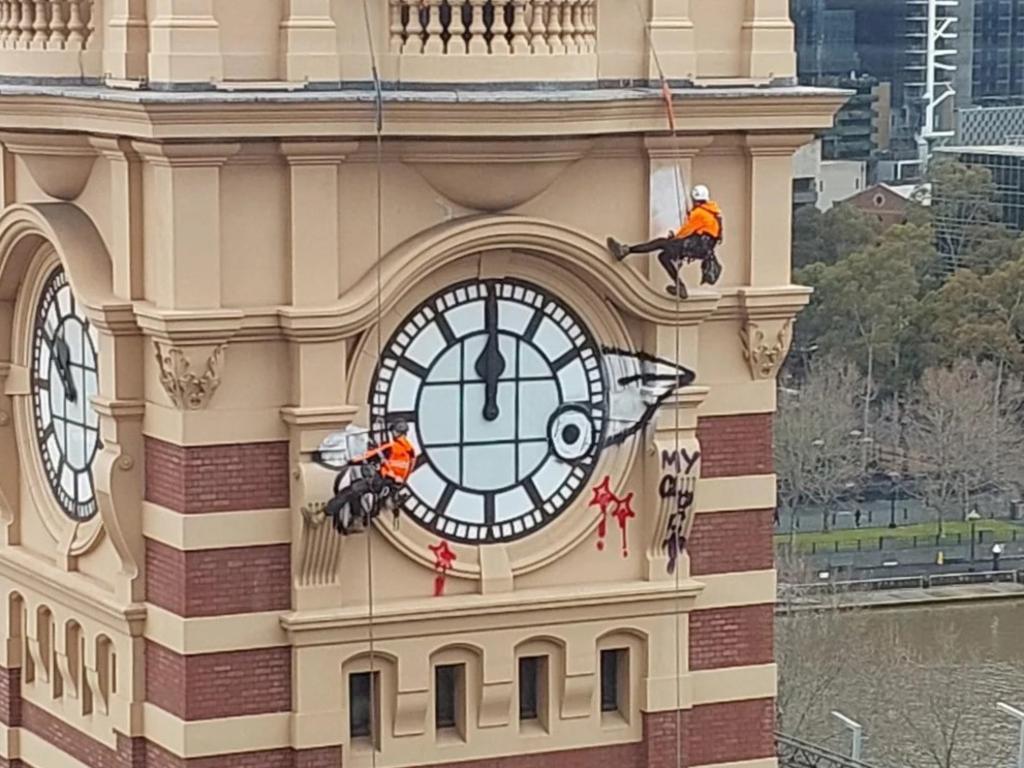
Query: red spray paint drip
x,y
618,507
444,560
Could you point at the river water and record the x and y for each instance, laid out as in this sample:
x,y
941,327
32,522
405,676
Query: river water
x,y
923,681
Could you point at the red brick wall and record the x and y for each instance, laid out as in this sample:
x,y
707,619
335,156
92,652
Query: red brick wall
x,y
206,686
156,757
732,637
217,478
615,756
727,542
10,696
736,445
730,732
217,582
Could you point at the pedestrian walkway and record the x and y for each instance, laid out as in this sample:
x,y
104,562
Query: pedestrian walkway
x,y
792,599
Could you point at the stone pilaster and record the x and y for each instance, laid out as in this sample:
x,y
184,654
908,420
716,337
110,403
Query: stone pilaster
x,y
768,41
184,43
309,42
126,41
672,36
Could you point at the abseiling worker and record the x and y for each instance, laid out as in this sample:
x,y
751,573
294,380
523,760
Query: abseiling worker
x,y
696,240
398,459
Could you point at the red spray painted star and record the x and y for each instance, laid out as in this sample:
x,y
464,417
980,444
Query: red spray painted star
x,y
619,507
444,561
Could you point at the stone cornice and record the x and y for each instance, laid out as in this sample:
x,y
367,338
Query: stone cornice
x,y
521,608
188,327
441,114
69,590
762,303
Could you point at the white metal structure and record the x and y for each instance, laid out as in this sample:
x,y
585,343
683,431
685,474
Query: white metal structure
x,y
931,27
1019,716
856,732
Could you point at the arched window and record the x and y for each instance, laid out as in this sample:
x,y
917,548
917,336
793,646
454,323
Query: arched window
x,y
457,676
540,671
370,686
622,659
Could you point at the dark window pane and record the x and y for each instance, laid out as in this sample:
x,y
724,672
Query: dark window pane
x,y
446,694
360,705
610,661
529,685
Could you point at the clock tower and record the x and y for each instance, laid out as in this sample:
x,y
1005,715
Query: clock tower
x,y
229,258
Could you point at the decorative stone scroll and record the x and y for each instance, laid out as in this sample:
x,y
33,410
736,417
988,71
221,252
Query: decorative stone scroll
x,y
765,348
188,390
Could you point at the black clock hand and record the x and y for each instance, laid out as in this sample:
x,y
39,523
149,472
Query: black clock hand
x,y
62,359
491,364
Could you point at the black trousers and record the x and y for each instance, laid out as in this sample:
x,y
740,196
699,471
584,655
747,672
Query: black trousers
x,y
352,495
676,251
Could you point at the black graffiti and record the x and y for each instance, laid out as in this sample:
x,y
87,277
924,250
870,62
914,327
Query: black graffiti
x,y
679,492
680,378
682,461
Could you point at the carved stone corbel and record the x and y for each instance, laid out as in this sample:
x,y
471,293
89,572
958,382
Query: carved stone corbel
x,y
99,696
188,390
766,316
765,346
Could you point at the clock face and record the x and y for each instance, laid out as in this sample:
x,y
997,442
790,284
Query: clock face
x,y
503,390
64,380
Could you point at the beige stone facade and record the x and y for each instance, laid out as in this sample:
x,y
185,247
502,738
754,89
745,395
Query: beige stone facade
x,y
196,288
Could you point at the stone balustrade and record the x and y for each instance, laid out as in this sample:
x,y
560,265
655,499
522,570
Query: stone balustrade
x,y
494,27
49,38
45,25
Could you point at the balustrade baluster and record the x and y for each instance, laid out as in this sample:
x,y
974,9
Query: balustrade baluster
x,y
76,27
457,27
477,28
435,30
27,19
13,24
415,31
518,28
539,27
396,32
499,28
5,19
577,25
40,25
567,27
590,25
555,26
58,27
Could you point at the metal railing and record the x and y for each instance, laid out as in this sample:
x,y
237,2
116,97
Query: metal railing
x,y
899,582
797,753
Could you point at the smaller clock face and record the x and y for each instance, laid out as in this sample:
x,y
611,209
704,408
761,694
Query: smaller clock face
x,y
64,380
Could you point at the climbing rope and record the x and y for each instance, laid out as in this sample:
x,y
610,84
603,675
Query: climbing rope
x,y
682,203
376,734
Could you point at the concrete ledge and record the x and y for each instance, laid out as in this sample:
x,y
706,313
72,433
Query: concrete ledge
x,y
219,530
201,738
729,494
213,634
715,686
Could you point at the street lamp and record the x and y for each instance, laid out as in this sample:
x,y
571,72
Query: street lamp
x,y
1019,716
856,732
894,478
974,517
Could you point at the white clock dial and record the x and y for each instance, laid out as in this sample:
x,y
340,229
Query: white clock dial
x,y
503,388
64,380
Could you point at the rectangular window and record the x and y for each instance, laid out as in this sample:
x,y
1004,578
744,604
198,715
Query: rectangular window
x,y
449,695
532,683
614,680
363,705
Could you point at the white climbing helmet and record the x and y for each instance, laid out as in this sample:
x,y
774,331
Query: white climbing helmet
x,y
700,194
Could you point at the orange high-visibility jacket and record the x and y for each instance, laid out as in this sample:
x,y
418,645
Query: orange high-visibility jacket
x,y
704,219
399,458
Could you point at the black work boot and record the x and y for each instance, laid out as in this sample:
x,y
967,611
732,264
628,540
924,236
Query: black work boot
x,y
618,250
679,290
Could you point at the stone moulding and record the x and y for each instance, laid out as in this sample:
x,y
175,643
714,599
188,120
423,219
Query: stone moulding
x,y
763,353
188,390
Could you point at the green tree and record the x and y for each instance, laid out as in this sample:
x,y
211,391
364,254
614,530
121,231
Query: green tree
x,y
965,210
864,307
831,236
